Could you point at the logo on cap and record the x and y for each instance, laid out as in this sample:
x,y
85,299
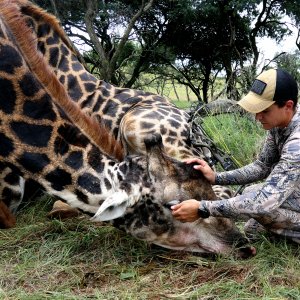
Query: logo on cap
x,y
258,87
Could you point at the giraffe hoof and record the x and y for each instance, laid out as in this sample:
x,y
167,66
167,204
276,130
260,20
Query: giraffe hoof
x,y
62,210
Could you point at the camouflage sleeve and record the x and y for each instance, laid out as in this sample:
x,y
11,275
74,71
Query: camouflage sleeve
x,y
282,181
255,171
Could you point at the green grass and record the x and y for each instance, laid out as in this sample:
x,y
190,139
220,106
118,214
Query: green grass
x,y
183,104
167,90
238,136
75,259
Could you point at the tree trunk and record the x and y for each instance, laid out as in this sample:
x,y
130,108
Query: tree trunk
x,y
109,64
175,91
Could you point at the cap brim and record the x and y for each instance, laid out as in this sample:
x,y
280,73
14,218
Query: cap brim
x,y
254,103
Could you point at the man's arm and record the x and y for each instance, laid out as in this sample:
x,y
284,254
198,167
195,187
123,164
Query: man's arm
x,y
281,182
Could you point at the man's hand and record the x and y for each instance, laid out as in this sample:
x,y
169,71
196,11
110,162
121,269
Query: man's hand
x,y
204,167
186,211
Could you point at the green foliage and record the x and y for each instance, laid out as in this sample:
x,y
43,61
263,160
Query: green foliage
x,y
293,9
187,41
209,23
291,63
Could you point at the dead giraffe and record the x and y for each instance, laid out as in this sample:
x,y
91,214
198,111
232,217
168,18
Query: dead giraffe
x,y
46,137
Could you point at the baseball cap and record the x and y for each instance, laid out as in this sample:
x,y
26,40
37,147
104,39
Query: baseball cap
x,y
271,86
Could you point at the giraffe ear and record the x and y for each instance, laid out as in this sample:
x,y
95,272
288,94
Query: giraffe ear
x,y
112,208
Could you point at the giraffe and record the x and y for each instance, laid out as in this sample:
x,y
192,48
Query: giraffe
x,y
46,137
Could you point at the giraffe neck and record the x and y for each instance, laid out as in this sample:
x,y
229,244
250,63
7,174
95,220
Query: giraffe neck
x,y
95,97
39,67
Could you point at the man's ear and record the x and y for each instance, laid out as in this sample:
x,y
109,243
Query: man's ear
x,y
290,104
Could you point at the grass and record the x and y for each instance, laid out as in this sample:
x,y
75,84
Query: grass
x,y
239,136
76,259
167,89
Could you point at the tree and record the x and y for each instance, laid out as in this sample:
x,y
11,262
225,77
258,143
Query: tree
x,y
210,36
291,63
217,39
101,26
292,9
187,41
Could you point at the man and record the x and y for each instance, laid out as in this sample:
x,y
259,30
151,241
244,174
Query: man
x,y
273,205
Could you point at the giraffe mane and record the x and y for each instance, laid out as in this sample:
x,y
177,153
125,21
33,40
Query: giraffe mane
x,y
38,12
25,40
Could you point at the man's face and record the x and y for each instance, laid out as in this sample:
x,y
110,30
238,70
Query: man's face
x,y
275,116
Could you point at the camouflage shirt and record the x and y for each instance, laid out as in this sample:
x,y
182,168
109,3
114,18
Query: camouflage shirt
x,y
279,165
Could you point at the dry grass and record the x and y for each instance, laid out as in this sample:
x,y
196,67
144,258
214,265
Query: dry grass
x,y
75,259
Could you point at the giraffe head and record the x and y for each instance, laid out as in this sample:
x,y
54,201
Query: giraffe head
x,y
144,214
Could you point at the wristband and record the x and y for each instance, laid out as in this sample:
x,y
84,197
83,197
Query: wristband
x,y
203,212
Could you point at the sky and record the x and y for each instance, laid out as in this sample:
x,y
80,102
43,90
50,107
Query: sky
x,y
269,47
